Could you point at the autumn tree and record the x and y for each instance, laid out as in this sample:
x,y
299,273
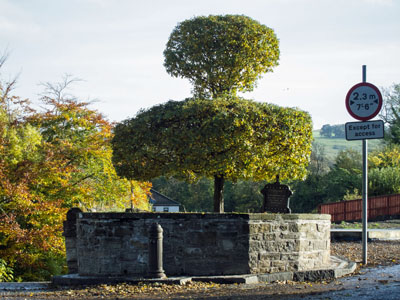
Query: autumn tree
x,y
224,138
51,160
29,223
221,54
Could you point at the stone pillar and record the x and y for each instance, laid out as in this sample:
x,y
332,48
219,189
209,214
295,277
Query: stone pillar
x,y
70,239
156,251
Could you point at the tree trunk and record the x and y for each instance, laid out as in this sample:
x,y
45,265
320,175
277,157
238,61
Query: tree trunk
x,y
219,193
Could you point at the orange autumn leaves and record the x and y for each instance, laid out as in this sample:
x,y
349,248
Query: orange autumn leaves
x,y
51,160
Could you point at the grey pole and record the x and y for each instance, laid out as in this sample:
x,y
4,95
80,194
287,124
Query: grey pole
x,y
365,188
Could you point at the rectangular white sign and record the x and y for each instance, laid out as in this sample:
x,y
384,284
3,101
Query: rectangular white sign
x,y
364,130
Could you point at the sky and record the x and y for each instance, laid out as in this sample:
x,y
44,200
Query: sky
x,y
116,48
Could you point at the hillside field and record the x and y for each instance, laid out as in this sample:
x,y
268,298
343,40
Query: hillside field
x,y
334,145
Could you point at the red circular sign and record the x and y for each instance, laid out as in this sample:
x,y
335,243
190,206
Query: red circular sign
x,y
364,101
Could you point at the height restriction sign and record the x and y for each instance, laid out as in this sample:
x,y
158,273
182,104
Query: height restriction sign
x,y
364,101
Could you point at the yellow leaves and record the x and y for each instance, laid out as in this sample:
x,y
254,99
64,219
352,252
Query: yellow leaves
x,y
221,54
49,162
125,291
19,142
235,137
389,157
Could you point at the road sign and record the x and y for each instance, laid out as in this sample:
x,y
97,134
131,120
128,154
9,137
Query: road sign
x,y
364,101
364,130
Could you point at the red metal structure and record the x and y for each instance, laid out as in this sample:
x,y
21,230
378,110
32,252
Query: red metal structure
x,y
379,206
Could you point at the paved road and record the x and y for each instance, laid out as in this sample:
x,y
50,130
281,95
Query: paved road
x,y
381,283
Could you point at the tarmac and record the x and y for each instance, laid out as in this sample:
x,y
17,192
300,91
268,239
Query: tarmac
x,y
370,284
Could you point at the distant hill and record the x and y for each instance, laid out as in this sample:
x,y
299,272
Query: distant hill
x,y
334,145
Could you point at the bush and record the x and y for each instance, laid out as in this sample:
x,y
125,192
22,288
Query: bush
x,y
6,273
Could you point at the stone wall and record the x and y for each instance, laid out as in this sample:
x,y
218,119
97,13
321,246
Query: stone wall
x,y
115,244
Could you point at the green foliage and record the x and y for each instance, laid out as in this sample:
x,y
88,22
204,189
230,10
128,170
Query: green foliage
x,y
319,163
244,196
344,178
333,131
326,131
324,183
384,171
384,181
47,264
221,54
237,138
6,273
352,195
345,175
308,194
389,156
312,191
240,196
194,197
327,184
391,113
234,139
349,160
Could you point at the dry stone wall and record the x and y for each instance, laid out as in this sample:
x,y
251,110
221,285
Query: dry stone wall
x,y
116,244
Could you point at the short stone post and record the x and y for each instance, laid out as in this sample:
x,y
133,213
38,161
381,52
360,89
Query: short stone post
x,y
156,251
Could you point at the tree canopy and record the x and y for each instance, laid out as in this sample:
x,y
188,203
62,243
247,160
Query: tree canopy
x,y
224,138
221,54
335,131
391,113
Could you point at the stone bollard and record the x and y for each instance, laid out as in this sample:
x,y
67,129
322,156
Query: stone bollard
x,y
156,251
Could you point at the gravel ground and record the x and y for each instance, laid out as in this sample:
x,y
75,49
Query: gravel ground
x,y
380,253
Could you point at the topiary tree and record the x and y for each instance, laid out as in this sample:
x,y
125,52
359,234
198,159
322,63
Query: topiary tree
x,y
221,54
224,138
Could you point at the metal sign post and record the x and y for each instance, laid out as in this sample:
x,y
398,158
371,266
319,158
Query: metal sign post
x,y
365,189
365,201
363,102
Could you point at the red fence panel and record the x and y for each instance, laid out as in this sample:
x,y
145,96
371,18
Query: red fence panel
x,y
387,205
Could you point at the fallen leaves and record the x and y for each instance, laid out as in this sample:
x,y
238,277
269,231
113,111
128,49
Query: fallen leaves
x,y
381,253
131,291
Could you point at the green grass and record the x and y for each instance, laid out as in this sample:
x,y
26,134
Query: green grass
x,y
388,224
333,146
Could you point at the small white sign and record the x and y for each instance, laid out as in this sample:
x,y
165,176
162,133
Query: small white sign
x,y
364,130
